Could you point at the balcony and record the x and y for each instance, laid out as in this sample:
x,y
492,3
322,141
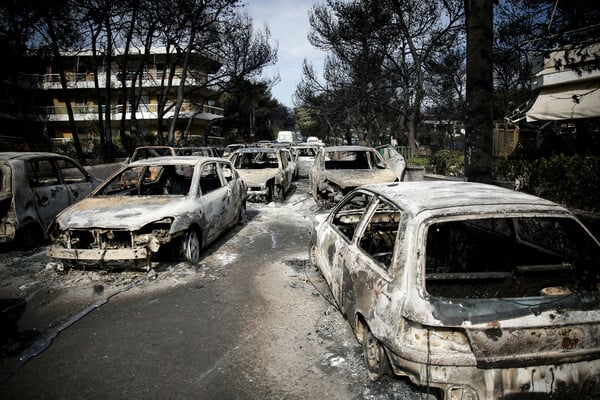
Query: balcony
x,y
86,80
144,112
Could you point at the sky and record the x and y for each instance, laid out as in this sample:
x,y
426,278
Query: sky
x,y
288,23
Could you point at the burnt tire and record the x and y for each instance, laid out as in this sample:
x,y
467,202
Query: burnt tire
x,y
190,246
29,236
278,193
312,255
241,212
374,355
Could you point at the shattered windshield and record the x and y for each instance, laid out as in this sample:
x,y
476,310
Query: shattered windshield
x,y
350,160
540,259
149,180
255,160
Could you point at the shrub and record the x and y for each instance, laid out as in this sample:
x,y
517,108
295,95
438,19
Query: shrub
x,y
449,162
572,181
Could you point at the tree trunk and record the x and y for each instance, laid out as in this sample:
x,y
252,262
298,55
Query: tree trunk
x,y
66,92
479,119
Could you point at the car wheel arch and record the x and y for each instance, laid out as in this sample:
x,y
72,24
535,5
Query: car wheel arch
x,y
184,242
30,233
377,356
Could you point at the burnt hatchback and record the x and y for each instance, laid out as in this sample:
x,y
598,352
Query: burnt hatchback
x,y
34,187
337,170
185,202
470,290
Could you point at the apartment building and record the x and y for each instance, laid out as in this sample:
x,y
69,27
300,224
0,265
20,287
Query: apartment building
x,y
38,100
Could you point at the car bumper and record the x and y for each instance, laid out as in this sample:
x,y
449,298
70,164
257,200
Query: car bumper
x,y
563,381
138,253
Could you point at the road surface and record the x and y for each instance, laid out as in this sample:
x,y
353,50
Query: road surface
x,y
251,321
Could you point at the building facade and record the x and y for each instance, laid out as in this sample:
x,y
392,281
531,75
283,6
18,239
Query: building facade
x,y
138,93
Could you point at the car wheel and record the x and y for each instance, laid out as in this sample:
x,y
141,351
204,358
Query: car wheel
x,y
312,254
269,196
191,246
374,355
29,236
241,213
278,193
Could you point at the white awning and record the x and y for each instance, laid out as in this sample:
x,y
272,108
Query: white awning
x,y
581,100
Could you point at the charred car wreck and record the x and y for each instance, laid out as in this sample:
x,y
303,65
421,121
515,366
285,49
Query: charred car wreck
x,y
339,169
470,290
186,202
267,172
34,187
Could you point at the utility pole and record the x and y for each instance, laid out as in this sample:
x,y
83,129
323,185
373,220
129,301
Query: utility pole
x,y
479,118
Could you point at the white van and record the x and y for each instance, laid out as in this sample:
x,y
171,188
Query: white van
x,y
286,137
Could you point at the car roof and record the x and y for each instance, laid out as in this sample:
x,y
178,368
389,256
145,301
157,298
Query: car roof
x,y
349,148
176,160
419,196
28,155
257,150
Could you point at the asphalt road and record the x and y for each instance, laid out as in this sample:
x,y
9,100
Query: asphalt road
x,y
251,321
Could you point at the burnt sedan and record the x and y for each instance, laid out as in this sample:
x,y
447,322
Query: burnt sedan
x,y
34,188
186,202
471,290
339,169
268,173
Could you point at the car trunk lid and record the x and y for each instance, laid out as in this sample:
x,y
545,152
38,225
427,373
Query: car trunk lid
x,y
496,346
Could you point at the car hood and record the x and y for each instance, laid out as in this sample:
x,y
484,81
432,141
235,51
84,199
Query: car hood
x,y
257,177
120,212
351,178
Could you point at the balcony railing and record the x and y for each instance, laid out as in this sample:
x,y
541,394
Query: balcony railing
x,y
144,111
86,80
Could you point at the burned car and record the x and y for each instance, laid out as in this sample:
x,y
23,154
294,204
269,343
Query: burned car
x,y
305,157
339,169
185,202
34,188
471,290
266,171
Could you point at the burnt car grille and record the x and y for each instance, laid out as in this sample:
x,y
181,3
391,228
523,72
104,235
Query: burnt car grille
x,y
99,239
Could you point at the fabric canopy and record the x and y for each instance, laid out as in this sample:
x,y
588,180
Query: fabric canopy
x,y
581,100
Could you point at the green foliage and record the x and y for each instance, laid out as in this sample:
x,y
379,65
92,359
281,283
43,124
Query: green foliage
x,y
449,162
572,181
418,161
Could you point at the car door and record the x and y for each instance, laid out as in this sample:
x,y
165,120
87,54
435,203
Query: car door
x,y
51,195
394,160
366,285
216,200
78,182
336,242
285,168
234,196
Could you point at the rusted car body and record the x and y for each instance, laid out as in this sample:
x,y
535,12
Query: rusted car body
x,y
186,202
305,158
145,152
393,158
339,169
266,171
471,290
34,188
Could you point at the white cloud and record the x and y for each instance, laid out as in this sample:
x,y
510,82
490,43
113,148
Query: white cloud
x,y
289,26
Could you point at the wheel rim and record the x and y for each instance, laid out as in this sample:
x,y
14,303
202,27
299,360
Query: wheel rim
x,y
242,212
312,254
373,354
278,193
192,247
